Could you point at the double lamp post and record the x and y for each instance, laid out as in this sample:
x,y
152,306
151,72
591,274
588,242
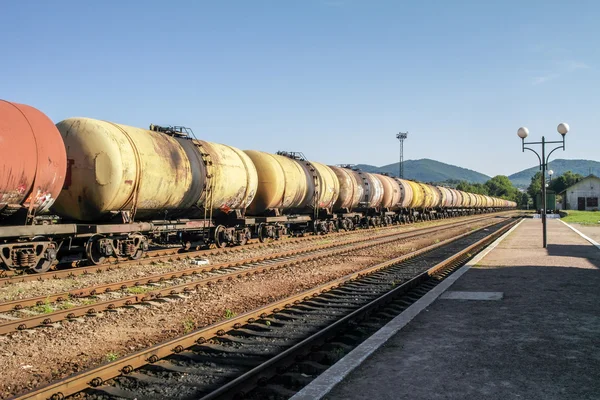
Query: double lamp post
x,y
543,159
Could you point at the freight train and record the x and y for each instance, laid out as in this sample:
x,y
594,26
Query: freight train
x,y
90,189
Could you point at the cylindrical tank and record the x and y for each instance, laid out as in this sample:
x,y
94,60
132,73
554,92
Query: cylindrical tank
x,y
391,192
281,183
489,202
328,185
428,195
473,202
33,159
351,188
436,201
447,197
373,191
234,179
406,192
418,199
114,168
456,198
465,199
481,200
121,168
322,186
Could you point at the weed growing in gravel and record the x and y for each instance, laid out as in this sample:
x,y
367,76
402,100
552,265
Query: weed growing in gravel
x,y
65,305
45,308
229,314
338,352
436,241
88,300
138,289
188,325
110,357
394,283
268,323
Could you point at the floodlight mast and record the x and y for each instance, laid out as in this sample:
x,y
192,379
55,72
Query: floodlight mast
x,y
401,136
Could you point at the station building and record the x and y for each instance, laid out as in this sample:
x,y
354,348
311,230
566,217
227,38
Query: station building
x,y
583,195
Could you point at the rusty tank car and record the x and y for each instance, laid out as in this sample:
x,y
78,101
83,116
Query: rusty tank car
x,y
95,189
33,171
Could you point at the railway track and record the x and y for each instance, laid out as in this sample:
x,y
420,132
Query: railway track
x,y
69,270
290,340
162,286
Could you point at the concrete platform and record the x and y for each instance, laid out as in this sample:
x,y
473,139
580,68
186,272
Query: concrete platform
x,y
532,331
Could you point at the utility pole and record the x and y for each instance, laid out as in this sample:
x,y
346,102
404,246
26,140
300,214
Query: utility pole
x,y
401,136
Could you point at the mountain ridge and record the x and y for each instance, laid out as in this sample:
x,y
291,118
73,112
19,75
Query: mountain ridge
x,y
428,170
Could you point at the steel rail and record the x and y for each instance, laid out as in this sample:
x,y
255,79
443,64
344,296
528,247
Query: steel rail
x,y
94,377
185,256
6,277
157,278
75,312
235,388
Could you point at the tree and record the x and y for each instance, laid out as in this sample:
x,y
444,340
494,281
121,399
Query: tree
x,y
501,186
535,186
477,188
524,200
564,181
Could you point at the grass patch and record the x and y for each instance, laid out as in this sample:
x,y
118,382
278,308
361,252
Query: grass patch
x,y
229,314
581,217
110,357
188,325
138,289
88,301
45,308
65,305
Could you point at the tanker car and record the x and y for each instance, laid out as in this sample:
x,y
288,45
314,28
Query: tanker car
x,y
90,189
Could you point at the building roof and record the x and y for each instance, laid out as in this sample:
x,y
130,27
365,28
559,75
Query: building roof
x,y
590,176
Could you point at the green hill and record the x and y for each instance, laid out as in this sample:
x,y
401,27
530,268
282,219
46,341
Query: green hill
x,y
522,179
426,170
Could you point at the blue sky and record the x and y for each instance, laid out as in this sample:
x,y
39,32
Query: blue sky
x,y
335,79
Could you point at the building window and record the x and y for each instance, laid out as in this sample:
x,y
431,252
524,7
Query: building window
x,y
592,202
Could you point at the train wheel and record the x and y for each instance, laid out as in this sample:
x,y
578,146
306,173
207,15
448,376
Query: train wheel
x,y
220,240
137,255
93,251
142,245
245,236
44,263
264,233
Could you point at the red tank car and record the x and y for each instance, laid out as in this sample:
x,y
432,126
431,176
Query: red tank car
x,y
33,162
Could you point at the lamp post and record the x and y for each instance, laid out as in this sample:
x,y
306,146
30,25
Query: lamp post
x,y
543,159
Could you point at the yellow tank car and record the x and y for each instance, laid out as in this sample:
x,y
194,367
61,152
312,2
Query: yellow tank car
x,y
418,199
116,168
282,183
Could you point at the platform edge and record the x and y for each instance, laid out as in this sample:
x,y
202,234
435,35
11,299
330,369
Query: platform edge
x,y
327,381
